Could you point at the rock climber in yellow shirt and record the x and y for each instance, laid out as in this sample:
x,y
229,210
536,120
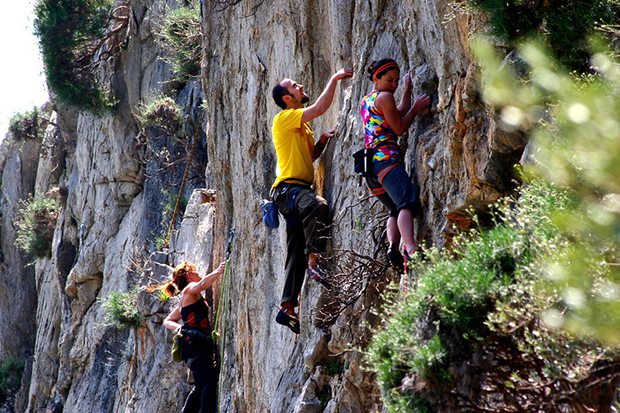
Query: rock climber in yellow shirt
x,y
306,214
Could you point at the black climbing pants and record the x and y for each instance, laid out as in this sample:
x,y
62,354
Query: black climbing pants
x,y
203,397
307,219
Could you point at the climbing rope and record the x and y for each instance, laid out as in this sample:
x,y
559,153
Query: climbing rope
x,y
219,329
183,181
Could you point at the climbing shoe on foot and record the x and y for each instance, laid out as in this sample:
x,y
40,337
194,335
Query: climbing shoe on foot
x,y
318,275
408,259
287,320
395,257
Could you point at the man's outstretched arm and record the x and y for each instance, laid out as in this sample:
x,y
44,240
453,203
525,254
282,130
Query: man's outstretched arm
x,y
320,145
327,96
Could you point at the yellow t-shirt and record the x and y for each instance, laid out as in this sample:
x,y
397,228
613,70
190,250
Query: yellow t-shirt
x,y
294,144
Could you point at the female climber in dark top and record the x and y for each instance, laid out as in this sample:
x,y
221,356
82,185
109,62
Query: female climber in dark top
x,y
192,317
388,180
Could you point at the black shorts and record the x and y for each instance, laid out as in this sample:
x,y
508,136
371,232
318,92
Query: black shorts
x,y
394,188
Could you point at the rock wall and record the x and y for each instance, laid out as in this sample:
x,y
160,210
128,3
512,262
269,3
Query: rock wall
x,y
113,204
455,151
18,166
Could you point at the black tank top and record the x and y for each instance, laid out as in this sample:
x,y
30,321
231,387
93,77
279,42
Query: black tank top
x,y
196,316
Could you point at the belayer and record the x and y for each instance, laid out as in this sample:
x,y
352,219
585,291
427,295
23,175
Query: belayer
x,y
191,316
306,214
387,178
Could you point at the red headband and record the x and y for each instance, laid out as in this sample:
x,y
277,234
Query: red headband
x,y
388,65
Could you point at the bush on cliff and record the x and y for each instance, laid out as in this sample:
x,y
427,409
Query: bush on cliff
x,y
73,38
162,114
477,315
181,35
35,226
575,129
29,125
10,376
121,309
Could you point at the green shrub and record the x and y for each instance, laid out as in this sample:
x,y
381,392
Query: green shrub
x,y
68,32
455,292
35,226
161,113
121,309
11,371
29,125
171,204
565,24
162,241
180,36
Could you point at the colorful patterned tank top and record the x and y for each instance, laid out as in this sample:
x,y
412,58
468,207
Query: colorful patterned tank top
x,y
376,129
196,315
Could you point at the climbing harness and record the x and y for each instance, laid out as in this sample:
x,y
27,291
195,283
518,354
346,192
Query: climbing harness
x,y
291,216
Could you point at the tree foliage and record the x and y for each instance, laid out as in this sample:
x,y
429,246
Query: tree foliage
x,y
575,124
74,36
565,25
181,36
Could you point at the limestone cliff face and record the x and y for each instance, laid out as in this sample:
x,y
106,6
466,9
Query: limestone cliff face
x,y
459,159
114,204
18,163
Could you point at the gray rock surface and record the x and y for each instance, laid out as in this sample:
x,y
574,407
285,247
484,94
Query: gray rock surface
x,y
18,291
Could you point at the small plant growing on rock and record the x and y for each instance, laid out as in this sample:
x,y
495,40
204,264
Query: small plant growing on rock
x,y
29,125
334,367
171,204
10,376
35,226
161,113
162,241
162,296
121,309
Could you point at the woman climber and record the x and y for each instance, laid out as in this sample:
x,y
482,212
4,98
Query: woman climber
x,y
386,177
191,316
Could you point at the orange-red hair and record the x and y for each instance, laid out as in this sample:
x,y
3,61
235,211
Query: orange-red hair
x,y
179,279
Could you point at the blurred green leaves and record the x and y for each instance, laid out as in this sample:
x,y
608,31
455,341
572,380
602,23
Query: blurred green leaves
x,y
574,122
565,25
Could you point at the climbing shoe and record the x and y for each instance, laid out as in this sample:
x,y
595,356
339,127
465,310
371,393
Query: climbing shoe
x,y
395,257
318,275
290,321
408,258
